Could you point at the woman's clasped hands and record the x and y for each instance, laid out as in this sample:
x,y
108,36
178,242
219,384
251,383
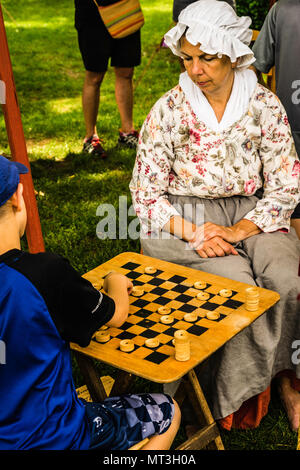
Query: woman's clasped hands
x,y
210,240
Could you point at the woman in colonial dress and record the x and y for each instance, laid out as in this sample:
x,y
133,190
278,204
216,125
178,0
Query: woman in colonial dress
x,y
215,182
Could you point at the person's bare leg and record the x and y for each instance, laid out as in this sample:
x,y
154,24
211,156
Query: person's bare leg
x,y
291,401
124,96
91,100
165,440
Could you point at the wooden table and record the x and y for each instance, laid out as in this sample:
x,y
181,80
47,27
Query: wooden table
x,y
171,286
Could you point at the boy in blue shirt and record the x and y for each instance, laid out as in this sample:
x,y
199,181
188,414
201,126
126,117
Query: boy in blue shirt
x,y
45,304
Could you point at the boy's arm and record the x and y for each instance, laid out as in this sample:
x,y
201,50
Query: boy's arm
x,y
77,309
83,309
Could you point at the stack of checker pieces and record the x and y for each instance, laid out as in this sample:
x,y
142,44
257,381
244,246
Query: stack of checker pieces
x,y
177,292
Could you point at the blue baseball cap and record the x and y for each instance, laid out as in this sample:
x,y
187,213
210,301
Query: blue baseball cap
x,y
10,172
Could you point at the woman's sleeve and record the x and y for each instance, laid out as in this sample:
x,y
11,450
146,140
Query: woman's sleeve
x,y
150,178
281,169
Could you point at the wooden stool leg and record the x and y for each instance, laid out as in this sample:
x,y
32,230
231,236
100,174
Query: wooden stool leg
x,y
122,384
204,406
91,377
208,436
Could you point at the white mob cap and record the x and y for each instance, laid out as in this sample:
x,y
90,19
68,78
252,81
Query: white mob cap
x,y
217,28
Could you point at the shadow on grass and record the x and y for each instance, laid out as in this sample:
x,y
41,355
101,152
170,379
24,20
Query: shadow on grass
x,y
118,159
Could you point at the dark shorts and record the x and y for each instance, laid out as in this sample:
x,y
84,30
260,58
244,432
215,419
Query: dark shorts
x,y
296,213
120,422
97,47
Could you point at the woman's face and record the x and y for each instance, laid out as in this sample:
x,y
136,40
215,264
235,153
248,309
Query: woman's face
x,y
209,72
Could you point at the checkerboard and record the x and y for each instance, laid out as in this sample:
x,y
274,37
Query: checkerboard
x,y
173,291
171,286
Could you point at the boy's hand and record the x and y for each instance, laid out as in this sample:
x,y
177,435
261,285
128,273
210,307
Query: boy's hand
x,y
113,278
116,284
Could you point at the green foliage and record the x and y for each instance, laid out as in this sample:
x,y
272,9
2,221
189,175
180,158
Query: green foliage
x,y
256,9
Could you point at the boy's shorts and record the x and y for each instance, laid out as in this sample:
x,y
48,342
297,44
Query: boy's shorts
x,y
97,47
120,422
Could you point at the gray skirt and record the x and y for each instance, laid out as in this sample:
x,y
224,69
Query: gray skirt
x,y
245,366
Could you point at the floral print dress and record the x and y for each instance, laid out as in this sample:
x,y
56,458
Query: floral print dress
x,y
177,154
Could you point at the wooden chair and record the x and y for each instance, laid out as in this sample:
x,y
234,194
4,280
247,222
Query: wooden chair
x,y
268,78
107,383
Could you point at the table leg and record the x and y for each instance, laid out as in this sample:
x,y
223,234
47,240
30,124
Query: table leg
x,y
209,434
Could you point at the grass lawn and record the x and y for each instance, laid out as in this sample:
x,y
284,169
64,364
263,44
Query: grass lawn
x,y
49,75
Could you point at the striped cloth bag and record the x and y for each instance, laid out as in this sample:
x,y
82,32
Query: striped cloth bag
x,y
122,18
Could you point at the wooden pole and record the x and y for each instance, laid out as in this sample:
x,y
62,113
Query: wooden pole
x,y
17,142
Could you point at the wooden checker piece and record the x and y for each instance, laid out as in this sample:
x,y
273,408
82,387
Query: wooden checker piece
x,y
252,299
150,270
225,293
200,285
182,346
203,296
137,291
167,319
190,317
164,310
212,315
200,313
102,336
152,343
126,345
